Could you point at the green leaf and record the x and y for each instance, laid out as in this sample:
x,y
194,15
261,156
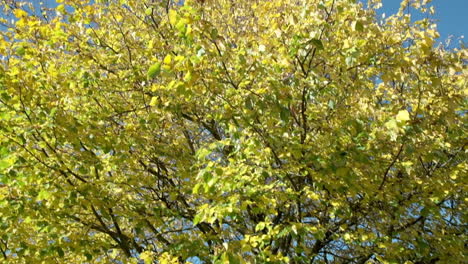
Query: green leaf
x,y
202,153
7,162
260,226
154,70
196,188
197,219
43,195
148,11
60,252
284,114
180,26
342,172
317,43
20,51
358,26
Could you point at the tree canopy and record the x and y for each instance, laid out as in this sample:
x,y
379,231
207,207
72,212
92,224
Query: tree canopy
x,y
265,131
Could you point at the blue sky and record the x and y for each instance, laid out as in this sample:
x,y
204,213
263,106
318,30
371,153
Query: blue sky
x,y
451,16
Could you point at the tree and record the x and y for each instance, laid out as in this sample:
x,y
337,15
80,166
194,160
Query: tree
x,y
229,132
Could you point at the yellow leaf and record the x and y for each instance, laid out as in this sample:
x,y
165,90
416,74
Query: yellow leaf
x,y
347,237
154,101
172,16
61,8
391,125
454,175
168,59
403,115
314,196
20,13
147,257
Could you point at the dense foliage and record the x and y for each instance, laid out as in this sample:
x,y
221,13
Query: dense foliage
x,y
228,131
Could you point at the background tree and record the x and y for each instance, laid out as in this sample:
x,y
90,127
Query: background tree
x,y
229,132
